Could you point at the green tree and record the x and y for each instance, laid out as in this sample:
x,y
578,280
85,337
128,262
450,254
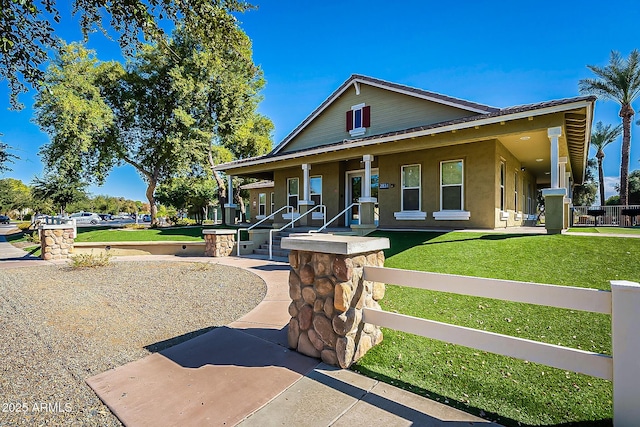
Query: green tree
x,y
602,136
619,81
58,189
27,29
14,195
191,195
585,194
71,110
5,156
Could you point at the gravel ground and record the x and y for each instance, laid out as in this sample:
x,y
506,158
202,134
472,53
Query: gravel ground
x,y
60,326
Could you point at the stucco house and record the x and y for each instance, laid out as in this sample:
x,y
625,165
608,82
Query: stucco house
x,y
393,156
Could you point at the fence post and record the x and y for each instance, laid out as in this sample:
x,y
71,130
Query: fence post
x,y
625,327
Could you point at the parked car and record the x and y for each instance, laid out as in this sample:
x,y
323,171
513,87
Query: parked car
x,y
86,218
105,217
146,218
4,219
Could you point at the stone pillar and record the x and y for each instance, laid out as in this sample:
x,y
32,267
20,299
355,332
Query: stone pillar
x,y
219,242
554,209
328,293
56,241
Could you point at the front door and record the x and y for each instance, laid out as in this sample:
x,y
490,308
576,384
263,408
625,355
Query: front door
x,y
355,182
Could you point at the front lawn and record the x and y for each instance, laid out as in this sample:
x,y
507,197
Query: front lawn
x,y
511,391
606,230
106,234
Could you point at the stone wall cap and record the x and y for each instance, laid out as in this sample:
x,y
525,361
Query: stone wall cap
x,y
334,244
220,231
56,226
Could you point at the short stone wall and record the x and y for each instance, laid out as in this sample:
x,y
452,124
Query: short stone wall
x,y
219,243
328,292
56,241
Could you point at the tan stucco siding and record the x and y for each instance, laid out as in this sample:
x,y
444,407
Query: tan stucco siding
x,y
512,167
390,111
478,185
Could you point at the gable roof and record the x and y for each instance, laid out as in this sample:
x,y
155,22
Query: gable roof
x,y
495,116
357,79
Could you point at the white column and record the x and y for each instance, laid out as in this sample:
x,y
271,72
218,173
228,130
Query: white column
x,y
366,191
554,136
230,203
562,173
306,188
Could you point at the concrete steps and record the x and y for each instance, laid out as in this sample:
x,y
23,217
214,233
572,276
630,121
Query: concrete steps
x,y
277,250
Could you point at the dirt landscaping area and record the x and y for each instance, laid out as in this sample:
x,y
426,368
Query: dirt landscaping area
x,y
61,326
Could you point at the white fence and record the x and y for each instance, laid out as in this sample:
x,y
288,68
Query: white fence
x,y
622,302
604,215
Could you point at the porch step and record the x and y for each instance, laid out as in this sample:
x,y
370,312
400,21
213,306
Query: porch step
x,y
277,250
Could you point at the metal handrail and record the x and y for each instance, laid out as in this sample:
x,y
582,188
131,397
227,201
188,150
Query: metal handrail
x,y
288,208
319,230
323,208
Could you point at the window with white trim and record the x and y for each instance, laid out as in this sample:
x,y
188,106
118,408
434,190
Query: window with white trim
x,y
411,189
293,193
358,119
315,188
273,202
262,204
451,185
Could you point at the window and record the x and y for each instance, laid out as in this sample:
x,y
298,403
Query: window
x,y
451,182
502,177
292,193
315,184
411,188
273,202
358,119
262,204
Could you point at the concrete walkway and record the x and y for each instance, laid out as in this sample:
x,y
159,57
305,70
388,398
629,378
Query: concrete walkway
x,y
244,374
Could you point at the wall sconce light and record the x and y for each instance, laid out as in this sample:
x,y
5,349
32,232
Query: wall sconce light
x,y
523,169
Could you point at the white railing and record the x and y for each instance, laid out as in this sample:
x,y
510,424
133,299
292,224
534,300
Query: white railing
x,y
319,230
622,302
289,210
602,215
291,223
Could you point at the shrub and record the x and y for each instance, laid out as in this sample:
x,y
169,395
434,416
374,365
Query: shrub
x,y
32,236
24,225
134,226
183,222
91,260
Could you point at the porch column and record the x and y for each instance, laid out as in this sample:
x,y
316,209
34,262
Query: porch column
x,y
554,137
305,204
367,203
554,211
230,207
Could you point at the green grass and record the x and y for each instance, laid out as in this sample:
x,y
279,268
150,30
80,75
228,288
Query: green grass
x,y
106,234
511,391
606,230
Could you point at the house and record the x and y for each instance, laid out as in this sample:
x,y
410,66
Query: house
x,y
381,154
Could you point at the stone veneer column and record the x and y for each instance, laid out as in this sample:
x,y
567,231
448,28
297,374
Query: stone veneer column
x,y
328,293
219,243
56,241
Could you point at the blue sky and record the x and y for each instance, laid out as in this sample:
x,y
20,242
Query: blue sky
x,y
500,53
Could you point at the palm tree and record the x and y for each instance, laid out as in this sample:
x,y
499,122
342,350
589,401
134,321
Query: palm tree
x,y
620,82
601,137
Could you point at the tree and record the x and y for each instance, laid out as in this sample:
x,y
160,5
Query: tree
x,y
191,195
619,81
14,195
5,156
585,194
27,33
60,190
634,190
601,137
